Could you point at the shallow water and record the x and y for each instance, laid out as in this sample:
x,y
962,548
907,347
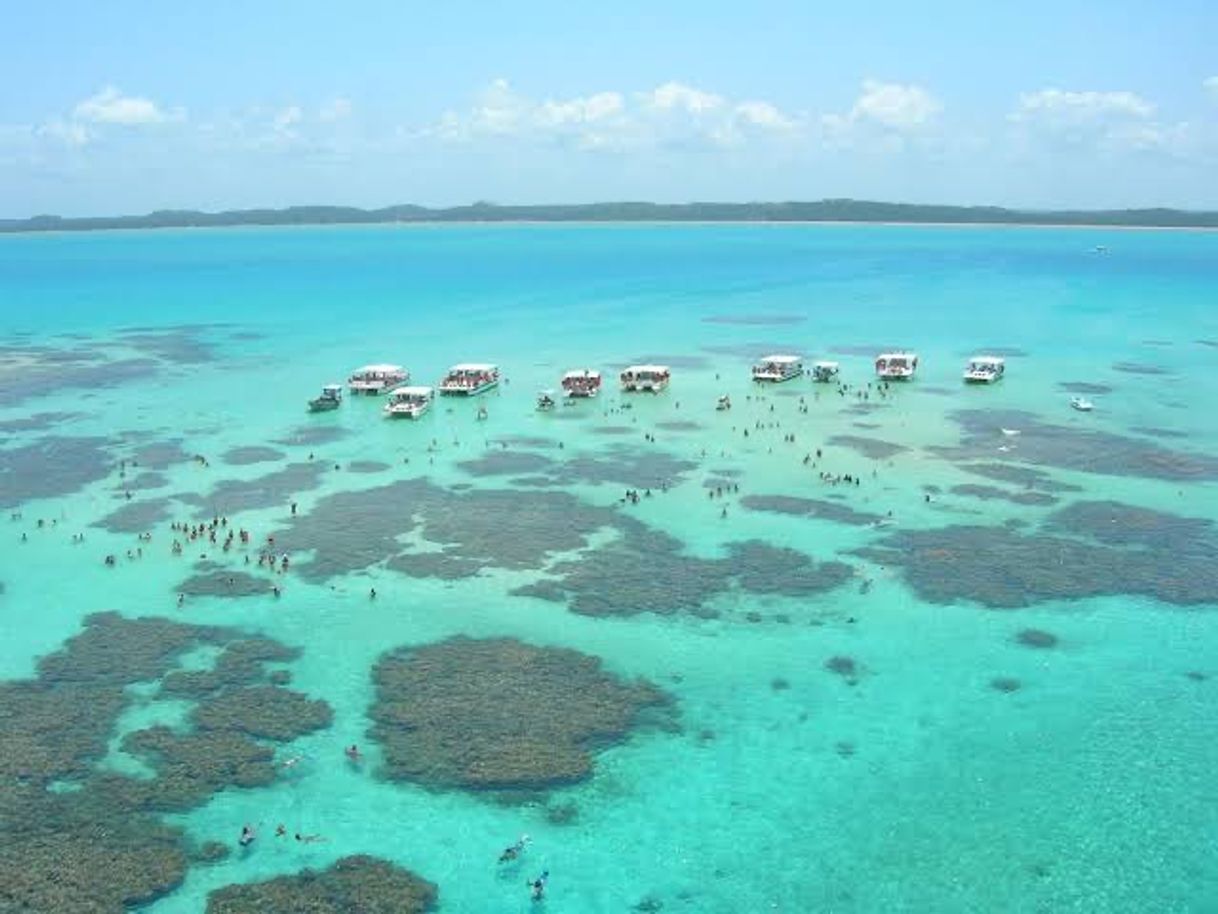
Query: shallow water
x,y
912,783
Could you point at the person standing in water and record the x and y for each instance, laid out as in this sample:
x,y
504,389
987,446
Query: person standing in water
x,y
538,886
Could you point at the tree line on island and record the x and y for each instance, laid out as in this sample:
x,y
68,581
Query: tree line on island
x,y
814,211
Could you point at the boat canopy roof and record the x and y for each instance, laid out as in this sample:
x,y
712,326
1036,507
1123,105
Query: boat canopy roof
x,y
896,355
986,360
410,392
781,359
827,365
582,373
472,367
647,369
379,369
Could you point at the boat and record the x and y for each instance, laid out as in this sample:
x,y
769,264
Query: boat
x,y
545,400
653,378
376,379
984,369
470,379
896,366
408,402
1082,404
777,368
582,382
331,398
725,403
824,372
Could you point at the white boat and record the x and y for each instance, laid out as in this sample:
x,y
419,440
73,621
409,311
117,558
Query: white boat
x,y
777,368
653,378
376,379
725,403
331,398
408,402
984,369
896,366
470,379
1082,404
583,382
824,372
545,400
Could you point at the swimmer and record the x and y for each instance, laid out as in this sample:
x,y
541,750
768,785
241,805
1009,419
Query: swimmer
x,y
514,851
309,839
280,830
353,754
538,885
247,836
290,762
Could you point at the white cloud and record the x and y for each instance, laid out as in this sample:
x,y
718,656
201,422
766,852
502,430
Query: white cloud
x,y
1060,108
110,106
669,114
336,109
763,114
675,96
70,133
894,106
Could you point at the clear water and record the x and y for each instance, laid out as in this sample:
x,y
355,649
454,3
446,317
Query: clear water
x,y
1090,789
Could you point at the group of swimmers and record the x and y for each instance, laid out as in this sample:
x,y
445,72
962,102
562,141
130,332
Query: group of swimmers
x,y
512,853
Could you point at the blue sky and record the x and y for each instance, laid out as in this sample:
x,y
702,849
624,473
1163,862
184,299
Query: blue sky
x,y
127,107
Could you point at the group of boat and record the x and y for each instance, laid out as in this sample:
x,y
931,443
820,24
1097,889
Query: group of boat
x,y
470,379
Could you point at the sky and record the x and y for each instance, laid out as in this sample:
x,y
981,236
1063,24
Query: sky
x,y
128,107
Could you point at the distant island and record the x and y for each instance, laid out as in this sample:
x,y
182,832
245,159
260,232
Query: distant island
x,y
816,211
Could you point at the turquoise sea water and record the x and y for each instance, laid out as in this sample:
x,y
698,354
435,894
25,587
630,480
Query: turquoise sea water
x,y
912,785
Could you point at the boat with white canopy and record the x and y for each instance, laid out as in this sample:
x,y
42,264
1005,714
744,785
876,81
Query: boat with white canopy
x,y
984,369
824,372
778,368
650,378
331,397
582,382
470,379
408,402
376,379
896,366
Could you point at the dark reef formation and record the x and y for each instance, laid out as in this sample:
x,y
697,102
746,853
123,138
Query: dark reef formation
x,y
871,448
1086,549
1084,449
51,466
482,714
77,838
810,507
352,885
256,453
641,570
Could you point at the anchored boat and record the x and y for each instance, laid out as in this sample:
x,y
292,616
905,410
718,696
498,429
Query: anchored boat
x,y
778,368
331,397
650,378
376,379
896,366
984,369
470,379
408,402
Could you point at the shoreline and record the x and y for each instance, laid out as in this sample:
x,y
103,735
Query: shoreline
x,y
629,223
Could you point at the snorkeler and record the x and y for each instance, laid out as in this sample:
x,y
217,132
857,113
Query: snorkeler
x,y
353,754
538,885
514,851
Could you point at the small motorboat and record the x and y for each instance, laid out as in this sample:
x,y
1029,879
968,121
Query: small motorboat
x,y
1082,404
725,402
545,400
331,398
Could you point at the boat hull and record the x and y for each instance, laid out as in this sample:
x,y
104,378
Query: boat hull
x,y
322,406
468,391
774,378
